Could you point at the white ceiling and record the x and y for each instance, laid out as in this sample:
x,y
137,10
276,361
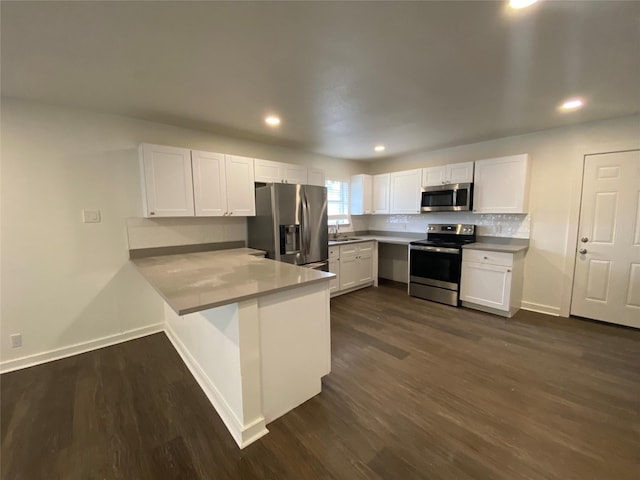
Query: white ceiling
x,y
343,75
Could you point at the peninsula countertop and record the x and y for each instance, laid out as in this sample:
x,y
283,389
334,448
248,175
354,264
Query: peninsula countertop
x,y
193,282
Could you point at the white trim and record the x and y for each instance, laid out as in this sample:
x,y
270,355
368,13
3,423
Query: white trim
x,y
78,348
540,308
242,434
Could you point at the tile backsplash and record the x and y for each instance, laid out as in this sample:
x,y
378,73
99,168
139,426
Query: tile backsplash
x,y
164,232
494,225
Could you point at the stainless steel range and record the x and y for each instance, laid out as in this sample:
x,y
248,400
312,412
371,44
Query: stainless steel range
x,y
435,263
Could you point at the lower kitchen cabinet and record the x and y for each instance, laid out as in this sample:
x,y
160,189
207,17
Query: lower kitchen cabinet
x,y
355,265
492,281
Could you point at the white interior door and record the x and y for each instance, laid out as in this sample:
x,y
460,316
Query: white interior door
x,y
607,276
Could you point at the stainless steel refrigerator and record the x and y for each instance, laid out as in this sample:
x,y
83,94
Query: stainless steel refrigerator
x,y
291,224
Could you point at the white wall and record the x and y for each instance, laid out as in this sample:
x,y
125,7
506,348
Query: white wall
x,y
556,181
65,282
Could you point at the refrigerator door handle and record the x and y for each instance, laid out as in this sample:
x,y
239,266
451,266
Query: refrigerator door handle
x,y
307,226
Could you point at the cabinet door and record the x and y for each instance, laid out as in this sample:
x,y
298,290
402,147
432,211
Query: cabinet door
x,y
460,173
334,267
433,176
241,198
405,192
501,185
348,272
488,285
315,176
295,174
381,193
167,181
365,264
209,184
268,172
361,193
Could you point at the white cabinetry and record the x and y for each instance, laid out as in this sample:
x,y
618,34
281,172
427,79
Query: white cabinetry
x,y
502,185
166,181
315,176
361,196
492,281
268,171
222,185
179,182
356,265
404,196
334,267
241,200
209,184
380,194
454,173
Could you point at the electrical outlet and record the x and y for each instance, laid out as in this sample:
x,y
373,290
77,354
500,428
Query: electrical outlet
x,y
16,340
91,216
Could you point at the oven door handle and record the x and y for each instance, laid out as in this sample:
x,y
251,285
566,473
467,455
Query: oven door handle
x,y
455,251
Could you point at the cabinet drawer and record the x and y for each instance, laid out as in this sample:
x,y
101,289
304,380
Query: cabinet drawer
x,y
365,247
348,250
334,252
487,257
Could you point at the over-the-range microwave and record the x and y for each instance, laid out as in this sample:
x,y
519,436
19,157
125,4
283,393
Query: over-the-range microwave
x,y
455,197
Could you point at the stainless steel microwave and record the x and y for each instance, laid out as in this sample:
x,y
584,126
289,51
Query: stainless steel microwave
x,y
455,197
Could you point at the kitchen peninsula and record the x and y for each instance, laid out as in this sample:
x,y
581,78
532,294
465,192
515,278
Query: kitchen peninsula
x,y
254,332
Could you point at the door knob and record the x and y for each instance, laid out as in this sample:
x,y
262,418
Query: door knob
x,y
582,251
584,239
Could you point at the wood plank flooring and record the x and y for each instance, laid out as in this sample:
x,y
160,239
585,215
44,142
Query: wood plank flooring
x,y
418,390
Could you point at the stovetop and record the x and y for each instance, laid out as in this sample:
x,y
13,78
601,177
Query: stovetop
x,y
448,235
440,243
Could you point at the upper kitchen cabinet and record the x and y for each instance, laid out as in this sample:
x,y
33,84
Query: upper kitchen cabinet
x,y
179,182
268,171
502,185
380,196
241,200
404,192
315,176
445,174
361,196
223,185
166,181
209,184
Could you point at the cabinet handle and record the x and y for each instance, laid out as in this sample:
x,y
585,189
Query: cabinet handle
x,y
508,270
230,213
486,258
152,213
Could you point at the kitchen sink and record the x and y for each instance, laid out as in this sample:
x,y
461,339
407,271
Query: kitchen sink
x,y
344,239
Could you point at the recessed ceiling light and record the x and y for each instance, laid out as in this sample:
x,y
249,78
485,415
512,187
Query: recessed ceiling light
x,y
272,121
379,148
521,3
572,104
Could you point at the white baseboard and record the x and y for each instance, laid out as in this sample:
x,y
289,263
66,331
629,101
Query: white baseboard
x,y
242,434
540,308
57,354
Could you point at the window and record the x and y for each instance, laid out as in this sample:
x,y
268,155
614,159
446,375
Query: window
x,y
337,202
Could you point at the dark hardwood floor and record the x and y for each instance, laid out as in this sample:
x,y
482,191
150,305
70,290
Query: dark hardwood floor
x,y
418,390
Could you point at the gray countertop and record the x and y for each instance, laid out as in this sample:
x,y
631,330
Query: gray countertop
x,y
406,240
399,240
496,247
197,281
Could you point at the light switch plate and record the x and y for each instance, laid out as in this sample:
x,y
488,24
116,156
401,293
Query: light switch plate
x,y
16,340
91,216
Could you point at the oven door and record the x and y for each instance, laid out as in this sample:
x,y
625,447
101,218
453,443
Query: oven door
x,y
435,266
